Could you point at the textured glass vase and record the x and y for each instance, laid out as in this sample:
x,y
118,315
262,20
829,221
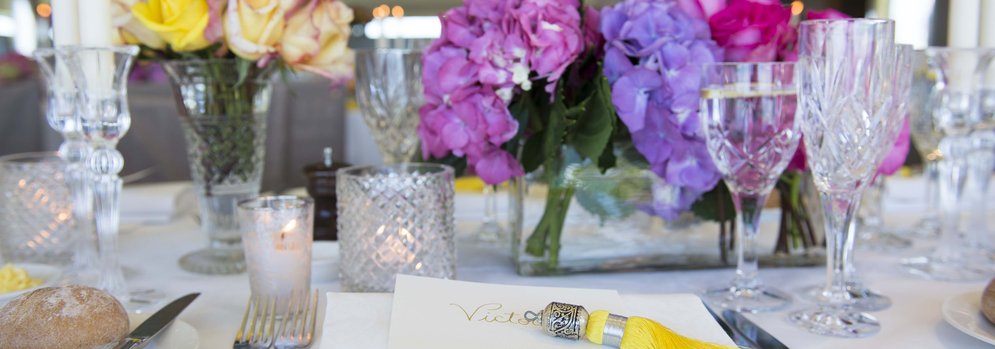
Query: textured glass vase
x,y
395,219
36,221
223,114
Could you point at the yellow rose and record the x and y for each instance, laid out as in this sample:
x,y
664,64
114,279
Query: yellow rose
x,y
316,40
253,27
129,30
181,23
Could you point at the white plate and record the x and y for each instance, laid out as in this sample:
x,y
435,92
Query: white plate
x,y
963,312
178,335
47,273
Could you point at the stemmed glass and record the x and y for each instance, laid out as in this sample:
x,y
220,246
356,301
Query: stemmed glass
x,y
61,116
953,109
748,120
927,141
100,75
389,93
845,74
490,229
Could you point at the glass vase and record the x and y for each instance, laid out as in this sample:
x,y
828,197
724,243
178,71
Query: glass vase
x,y
607,225
222,111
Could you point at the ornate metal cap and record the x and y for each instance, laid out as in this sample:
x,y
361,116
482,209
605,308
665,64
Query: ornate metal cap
x,y
564,320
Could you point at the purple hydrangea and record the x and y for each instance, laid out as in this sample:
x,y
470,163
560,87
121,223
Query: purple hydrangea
x,y
653,57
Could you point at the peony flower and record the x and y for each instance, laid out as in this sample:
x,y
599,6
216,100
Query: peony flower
x,y
254,27
180,23
751,31
129,30
316,39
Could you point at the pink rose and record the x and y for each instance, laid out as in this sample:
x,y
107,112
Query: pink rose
x,y
701,9
827,14
751,31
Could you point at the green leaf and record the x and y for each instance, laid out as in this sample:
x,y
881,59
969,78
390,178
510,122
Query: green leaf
x,y
595,122
715,205
243,70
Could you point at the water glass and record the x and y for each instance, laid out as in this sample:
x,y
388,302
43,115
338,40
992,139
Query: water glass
x,y
395,219
36,212
277,234
748,120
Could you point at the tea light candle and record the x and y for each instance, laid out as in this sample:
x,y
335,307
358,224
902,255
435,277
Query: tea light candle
x,y
277,234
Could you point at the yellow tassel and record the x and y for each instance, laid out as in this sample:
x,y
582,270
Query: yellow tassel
x,y
643,333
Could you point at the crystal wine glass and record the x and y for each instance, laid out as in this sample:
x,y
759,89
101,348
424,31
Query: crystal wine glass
x,y
845,74
953,105
748,121
389,93
100,75
927,141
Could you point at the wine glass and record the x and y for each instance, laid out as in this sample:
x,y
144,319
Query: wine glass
x,y
927,141
389,93
845,74
953,110
748,120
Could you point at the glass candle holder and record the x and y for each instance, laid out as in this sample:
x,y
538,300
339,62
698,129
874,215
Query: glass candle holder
x,y
395,219
36,211
277,234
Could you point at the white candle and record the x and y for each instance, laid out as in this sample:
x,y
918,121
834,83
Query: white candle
x,y
95,22
987,36
963,20
65,24
279,261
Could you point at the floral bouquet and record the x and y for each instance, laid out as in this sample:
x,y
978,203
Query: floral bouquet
x,y
220,56
511,86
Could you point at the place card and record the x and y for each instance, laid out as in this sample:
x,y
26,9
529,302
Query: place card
x,y
436,313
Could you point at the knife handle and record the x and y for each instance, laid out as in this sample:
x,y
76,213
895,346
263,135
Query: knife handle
x,y
130,343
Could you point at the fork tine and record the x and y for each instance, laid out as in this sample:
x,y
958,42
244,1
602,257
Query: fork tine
x,y
269,335
240,335
314,316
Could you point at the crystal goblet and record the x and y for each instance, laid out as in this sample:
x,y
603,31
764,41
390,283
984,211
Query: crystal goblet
x,y
389,93
748,120
847,99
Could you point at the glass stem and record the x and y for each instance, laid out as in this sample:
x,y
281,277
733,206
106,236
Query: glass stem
x,y
952,176
981,165
105,163
931,174
839,209
490,205
748,207
74,152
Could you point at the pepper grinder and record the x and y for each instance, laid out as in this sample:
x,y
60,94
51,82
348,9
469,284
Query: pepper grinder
x,y
321,188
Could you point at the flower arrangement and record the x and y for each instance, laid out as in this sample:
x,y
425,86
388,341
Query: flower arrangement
x,y
511,85
304,35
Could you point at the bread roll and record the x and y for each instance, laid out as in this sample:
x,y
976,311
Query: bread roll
x,y
70,317
988,302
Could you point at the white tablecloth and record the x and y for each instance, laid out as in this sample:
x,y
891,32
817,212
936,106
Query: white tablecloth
x,y
150,253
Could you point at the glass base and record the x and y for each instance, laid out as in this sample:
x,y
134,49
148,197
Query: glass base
x,y
492,232
883,241
214,261
932,268
864,299
749,300
926,228
836,322
144,300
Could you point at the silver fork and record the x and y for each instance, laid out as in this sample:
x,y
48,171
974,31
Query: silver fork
x,y
260,317
299,321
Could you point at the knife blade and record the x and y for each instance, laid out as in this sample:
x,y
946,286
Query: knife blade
x,y
751,331
733,334
142,334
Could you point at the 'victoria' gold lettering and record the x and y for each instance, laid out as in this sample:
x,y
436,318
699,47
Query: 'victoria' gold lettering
x,y
492,313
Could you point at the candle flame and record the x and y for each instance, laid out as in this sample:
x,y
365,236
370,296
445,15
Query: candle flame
x,y
290,226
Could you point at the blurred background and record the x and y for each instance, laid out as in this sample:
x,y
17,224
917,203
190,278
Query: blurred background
x,y
306,114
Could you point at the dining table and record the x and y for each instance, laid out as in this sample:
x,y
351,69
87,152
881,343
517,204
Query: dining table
x,y
155,233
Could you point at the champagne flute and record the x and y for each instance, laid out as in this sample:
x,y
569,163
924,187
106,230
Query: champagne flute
x,y
748,120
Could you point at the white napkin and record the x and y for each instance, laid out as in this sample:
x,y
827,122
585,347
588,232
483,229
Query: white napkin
x,y
362,320
151,203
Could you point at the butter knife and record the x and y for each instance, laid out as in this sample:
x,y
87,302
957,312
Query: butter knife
x,y
733,334
144,333
751,331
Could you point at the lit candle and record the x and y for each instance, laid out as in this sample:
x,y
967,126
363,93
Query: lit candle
x,y
279,262
65,27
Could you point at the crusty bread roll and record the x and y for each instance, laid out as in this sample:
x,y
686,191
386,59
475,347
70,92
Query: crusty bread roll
x,y
988,302
70,317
